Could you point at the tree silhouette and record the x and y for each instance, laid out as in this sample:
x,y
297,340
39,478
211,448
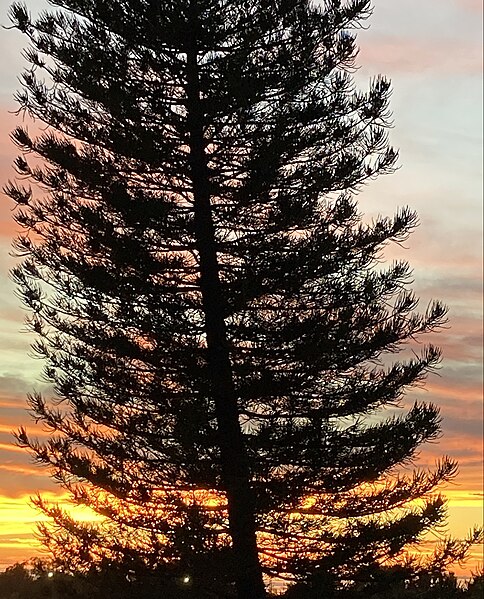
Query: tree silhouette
x,y
106,580
206,295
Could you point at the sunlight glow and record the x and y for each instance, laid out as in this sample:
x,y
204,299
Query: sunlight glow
x,y
18,520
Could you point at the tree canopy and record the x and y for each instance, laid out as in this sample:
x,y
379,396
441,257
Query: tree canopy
x,y
216,324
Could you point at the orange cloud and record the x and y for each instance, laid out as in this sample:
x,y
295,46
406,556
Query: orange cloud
x,y
17,469
18,519
11,447
5,428
19,420
11,403
9,229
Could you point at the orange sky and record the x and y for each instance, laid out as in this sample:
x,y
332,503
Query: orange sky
x,y
432,52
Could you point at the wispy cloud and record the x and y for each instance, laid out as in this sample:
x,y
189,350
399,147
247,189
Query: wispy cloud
x,y
474,6
24,470
11,447
409,55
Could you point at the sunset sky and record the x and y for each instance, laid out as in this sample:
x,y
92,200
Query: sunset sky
x,y
432,51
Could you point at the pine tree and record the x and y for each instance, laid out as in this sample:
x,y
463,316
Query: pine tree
x,y
206,295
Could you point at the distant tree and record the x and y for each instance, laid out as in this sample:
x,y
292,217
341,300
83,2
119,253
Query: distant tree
x,y
15,582
206,294
475,588
105,580
391,583
412,578
102,581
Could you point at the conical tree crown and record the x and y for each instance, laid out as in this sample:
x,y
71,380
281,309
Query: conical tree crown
x,y
112,277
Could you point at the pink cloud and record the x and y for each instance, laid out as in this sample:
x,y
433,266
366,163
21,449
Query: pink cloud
x,y
466,451
417,56
461,340
454,390
474,6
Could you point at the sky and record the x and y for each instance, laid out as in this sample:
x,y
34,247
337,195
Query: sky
x,y
432,52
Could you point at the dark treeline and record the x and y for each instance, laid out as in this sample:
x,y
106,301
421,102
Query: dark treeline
x,y
410,582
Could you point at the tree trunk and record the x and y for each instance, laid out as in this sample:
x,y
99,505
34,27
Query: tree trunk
x,y
233,454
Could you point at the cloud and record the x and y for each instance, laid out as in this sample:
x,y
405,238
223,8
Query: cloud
x,y
473,6
466,450
464,428
11,447
13,385
462,348
463,497
33,431
459,378
18,519
17,469
8,153
411,55
465,569
10,402
18,481
455,396
466,277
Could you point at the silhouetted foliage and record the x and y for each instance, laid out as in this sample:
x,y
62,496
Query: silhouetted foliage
x,y
105,581
409,580
207,297
475,587
109,581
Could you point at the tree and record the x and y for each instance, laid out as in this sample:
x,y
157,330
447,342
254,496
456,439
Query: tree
x,y
206,294
103,580
425,577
